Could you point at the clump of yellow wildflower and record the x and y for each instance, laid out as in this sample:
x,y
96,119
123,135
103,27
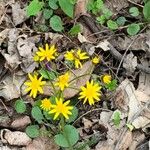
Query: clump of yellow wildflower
x,y
106,78
63,81
61,108
76,57
95,60
46,104
90,92
34,85
46,54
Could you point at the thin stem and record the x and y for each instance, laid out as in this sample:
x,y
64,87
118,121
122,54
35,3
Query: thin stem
x,y
70,87
79,77
49,79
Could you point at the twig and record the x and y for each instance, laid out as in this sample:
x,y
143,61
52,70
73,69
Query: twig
x,y
118,56
135,3
97,109
4,105
123,57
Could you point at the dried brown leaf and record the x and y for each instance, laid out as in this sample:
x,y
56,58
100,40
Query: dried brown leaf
x,y
20,122
42,143
18,14
15,138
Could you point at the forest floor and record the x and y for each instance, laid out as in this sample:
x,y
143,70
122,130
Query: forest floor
x,y
116,33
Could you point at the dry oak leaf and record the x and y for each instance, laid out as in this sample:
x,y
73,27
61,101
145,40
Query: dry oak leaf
x,y
15,138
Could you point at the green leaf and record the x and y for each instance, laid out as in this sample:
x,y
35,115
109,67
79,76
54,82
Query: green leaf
x,y
134,11
56,23
47,13
101,19
67,7
107,13
116,118
130,126
34,7
146,11
47,74
112,25
68,137
133,29
74,115
112,85
37,114
53,4
20,106
75,30
32,131
121,21
73,1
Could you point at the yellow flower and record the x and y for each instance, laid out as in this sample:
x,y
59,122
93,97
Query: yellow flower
x,y
90,93
34,85
63,81
95,60
61,109
36,58
46,104
76,57
48,53
106,78
69,55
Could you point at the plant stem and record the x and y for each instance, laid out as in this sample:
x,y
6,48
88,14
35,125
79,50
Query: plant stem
x,y
49,79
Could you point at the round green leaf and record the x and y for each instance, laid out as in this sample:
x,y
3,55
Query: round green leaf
x,y
101,19
56,23
74,115
121,21
133,29
68,137
67,7
32,131
47,13
37,114
53,4
112,25
20,106
146,11
34,7
75,30
134,11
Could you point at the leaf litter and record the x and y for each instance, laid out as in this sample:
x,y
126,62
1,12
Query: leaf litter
x,y
131,98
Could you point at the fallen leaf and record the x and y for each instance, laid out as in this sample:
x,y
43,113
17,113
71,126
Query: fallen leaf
x,y
42,143
81,38
20,122
18,14
10,86
15,138
141,122
126,141
138,138
3,35
104,45
130,63
130,101
87,123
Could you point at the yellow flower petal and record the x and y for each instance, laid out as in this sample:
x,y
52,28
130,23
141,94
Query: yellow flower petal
x,y
61,108
90,93
34,85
